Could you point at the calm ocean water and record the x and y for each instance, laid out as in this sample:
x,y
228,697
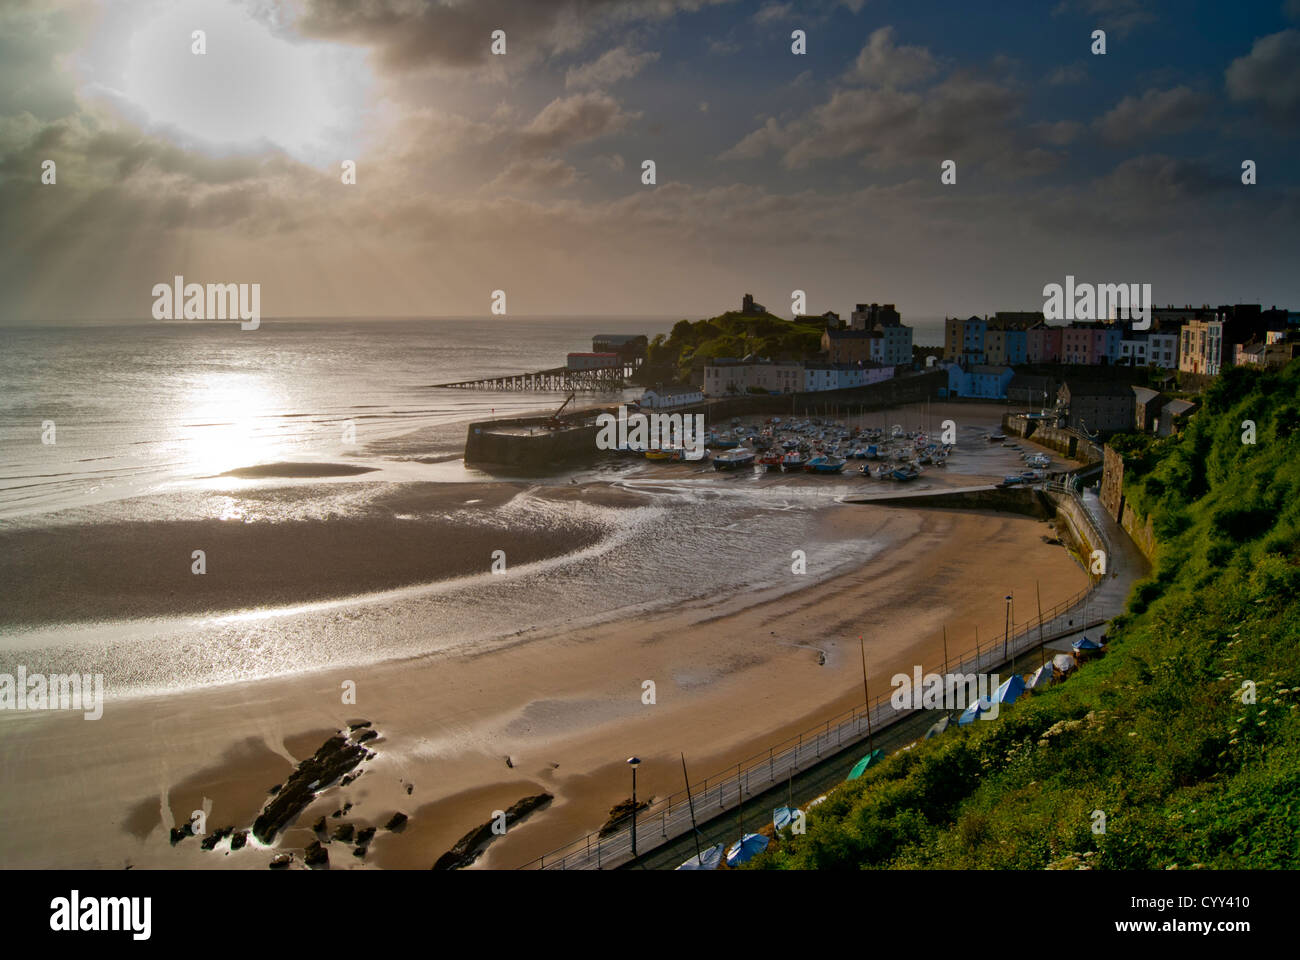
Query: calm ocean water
x,y
147,408
137,406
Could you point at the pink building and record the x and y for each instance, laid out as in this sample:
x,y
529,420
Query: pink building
x,y
1043,343
1076,344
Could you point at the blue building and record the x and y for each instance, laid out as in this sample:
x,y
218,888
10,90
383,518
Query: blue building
x,y
979,381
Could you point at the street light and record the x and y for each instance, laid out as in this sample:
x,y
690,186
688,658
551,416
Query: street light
x,y
1006,637
633,762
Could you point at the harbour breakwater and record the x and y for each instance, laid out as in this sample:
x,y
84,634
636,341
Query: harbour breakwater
x,y
542,443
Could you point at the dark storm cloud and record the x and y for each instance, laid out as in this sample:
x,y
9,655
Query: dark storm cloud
x,y
412,34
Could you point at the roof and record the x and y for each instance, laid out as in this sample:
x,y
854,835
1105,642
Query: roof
x,y
1145,394
1179,407
1029,381
1098,388
674,389
618,337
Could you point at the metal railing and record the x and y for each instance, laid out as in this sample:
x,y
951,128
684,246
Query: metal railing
x,y
670,817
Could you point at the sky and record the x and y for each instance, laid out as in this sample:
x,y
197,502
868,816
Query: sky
x,y
775,171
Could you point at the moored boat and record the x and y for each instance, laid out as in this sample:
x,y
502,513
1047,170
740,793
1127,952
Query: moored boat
x,y
733,459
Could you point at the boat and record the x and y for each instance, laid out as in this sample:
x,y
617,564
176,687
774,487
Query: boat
x,y
783,816
733,459
723,443
746,848
770,460
996,437
1010,480
827,465
792,461
708,859
906,473
859,768
657,455
682,455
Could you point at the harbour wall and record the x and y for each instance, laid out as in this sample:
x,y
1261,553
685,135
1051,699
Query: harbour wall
x,y
1054,438
527,443
1023,500
1139,527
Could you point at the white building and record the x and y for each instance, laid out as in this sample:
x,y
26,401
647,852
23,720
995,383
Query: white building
x,y
672,395
1162,349
1133,352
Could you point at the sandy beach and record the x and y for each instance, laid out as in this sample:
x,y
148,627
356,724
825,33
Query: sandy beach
x,y
554,705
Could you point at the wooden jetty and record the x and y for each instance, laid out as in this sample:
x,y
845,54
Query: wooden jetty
x,y
554,380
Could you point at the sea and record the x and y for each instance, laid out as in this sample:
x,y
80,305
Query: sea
x,y
96,412
121,421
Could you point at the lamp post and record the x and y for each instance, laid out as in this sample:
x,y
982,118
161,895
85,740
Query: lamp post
x,y
1006,637
633,762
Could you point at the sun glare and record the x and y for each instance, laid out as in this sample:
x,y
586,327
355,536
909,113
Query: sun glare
x,y
250,86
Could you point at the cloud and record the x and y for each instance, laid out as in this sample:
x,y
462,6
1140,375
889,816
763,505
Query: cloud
x,y
724,47
1155,113
1121,17
567,121
612,66
1067,75
771,12
965,118
1059,133
1269,75
413,34
884,63
1158,180
546,174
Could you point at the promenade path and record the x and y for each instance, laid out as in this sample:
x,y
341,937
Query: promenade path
x,y
813,761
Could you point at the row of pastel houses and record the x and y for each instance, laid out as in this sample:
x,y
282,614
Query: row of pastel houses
x,y
1201,340
727,377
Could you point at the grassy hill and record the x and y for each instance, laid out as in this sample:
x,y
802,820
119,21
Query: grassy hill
x,y
1155,734
735,334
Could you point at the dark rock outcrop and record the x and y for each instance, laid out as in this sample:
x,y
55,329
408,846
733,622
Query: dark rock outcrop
x,y
618,815
469,847
336,757
316,855
396,822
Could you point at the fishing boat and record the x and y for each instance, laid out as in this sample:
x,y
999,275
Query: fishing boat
x,y
906,473
996,437
723,443
770,460
1011,480
657,455
793,460
682,455
733,459
708,859
826,464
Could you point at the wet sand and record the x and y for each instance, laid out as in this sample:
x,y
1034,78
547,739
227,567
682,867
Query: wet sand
x,y
566,709
465,734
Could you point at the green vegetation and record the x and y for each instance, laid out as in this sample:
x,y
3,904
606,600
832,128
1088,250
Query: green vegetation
x,y
1155,734
734,334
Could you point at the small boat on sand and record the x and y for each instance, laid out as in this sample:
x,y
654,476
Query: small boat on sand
x,y
733,459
